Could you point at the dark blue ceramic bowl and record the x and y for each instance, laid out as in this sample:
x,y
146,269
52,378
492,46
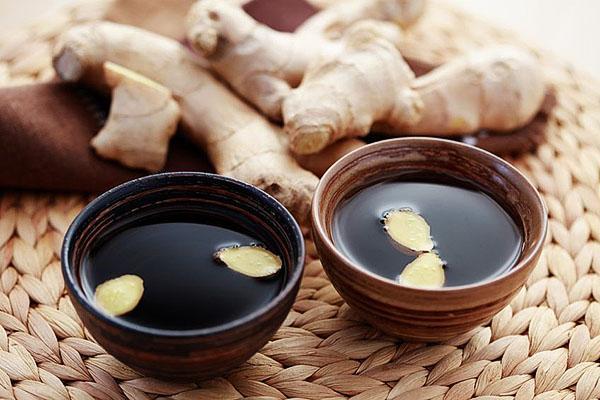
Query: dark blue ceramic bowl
x,y
197,353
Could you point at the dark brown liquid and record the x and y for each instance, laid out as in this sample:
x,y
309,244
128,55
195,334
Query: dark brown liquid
x,y
473,234
184,287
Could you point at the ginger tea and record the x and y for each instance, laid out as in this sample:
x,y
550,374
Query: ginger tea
x,y
427,232
168,271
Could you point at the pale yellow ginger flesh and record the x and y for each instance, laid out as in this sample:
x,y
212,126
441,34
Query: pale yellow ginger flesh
x,y
408,229
426,271
239,141
120,295
143,117
253,261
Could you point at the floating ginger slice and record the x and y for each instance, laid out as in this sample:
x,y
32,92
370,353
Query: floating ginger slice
x,y
120,295
408,229
253,261
426,271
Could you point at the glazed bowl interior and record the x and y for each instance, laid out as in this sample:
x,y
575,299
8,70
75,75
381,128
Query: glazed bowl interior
x,y
429,158
242,206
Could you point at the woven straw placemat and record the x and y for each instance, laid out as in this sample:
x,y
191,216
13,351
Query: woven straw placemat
x,y
545,345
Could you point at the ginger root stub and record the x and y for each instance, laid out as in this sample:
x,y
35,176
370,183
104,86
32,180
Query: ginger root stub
x,y
143,117
120,295
253,261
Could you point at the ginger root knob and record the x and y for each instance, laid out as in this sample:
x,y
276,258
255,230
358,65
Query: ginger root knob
x,y
342,96
143,117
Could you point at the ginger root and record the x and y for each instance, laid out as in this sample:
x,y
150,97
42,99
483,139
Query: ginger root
x,y
143,117
497,89
262,64
239,142
343,96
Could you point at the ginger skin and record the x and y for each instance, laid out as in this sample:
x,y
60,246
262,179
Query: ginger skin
x,y
239,142
142,111
498,89
345,95
262,64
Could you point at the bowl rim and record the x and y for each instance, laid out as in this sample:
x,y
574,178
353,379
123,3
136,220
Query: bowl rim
x,y
375,147
133,187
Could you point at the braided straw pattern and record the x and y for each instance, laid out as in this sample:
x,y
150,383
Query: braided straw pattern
x,y
544,346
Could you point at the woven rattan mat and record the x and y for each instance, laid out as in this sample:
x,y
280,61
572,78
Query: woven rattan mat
x,y
545,345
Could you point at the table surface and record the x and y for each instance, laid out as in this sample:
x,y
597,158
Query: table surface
x,y
567,28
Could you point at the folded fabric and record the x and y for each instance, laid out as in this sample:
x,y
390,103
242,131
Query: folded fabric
x,y
45,130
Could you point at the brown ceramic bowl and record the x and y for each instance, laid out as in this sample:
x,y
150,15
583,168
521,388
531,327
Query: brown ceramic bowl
x,y
414,313
198,353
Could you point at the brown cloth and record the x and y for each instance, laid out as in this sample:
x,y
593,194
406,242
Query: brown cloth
x,y
45,129
282,15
